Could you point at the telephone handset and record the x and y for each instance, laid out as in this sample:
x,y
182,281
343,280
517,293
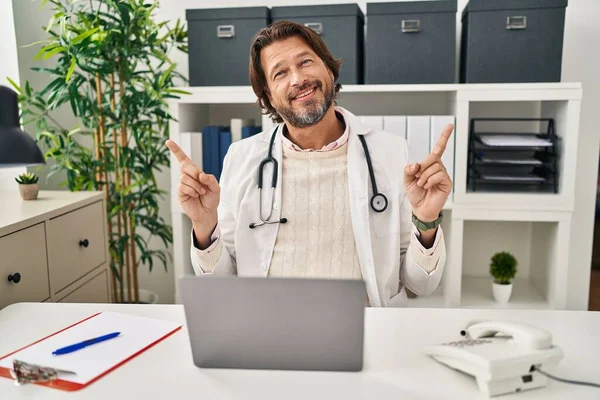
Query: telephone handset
x,y
501,355
524,335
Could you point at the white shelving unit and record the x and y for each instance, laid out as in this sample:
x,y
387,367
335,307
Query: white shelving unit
x,y
535,227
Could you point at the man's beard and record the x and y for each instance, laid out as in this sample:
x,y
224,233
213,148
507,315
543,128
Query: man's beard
x,y
312,111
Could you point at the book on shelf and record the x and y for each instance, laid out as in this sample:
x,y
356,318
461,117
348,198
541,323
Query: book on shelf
x,y
216,139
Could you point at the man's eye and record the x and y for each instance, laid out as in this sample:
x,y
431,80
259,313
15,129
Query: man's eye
x,y
306,61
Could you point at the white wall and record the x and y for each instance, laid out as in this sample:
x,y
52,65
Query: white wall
x,y
9,67
581,63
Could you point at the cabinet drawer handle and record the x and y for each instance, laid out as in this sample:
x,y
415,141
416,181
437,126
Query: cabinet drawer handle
x,y
516,22
15,278
84,243
225,31
315,26
411,25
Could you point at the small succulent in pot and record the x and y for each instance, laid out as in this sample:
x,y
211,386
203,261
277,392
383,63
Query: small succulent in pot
x,y
28,185
503,268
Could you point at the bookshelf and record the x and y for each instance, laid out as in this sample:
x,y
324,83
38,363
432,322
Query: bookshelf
x,y
534,225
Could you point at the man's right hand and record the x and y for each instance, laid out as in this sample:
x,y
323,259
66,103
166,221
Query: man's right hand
x,y
198,194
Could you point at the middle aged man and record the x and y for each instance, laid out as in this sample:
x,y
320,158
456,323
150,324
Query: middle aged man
x,y
346,203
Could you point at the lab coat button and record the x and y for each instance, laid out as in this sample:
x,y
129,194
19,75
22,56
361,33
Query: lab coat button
x,y
263,266
275,206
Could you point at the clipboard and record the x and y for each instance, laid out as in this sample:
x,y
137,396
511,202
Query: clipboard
x,y
138,334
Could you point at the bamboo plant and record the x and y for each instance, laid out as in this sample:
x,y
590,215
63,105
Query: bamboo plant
x,y
114,72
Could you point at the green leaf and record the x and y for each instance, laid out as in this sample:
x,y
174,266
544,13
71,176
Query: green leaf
x,y
53,52
166,75
80,38
71,69
14,84
35,43
177,91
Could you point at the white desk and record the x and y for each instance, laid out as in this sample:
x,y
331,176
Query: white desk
x,y
394,368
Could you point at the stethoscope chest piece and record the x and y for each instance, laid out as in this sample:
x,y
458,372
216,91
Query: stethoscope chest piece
x,y
379,202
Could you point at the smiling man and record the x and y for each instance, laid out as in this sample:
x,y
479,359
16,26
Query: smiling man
x,y
320,195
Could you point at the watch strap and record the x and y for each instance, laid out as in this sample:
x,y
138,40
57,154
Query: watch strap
x,y
425,226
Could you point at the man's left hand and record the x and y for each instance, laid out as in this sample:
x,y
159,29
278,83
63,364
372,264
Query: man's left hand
x,y
427,183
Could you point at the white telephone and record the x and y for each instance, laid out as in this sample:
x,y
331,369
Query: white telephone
x,y
501,355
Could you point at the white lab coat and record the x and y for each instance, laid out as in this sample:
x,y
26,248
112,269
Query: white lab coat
x,y
387,262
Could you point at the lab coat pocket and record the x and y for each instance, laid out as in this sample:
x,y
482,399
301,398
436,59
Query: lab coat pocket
x,y
386,223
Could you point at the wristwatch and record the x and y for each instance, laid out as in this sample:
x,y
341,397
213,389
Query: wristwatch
x,y
425,226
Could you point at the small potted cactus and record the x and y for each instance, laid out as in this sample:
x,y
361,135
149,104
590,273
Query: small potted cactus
x,y
503,268
28,185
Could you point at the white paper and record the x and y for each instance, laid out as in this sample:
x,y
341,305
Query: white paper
x,y
136,334
513,140
524,161
513,178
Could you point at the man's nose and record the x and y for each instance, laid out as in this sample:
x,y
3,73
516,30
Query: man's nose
x,y
298,79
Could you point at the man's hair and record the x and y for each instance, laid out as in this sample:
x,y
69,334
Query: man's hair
x,y
279,31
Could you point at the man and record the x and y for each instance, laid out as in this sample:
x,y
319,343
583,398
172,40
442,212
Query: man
x,y
322,218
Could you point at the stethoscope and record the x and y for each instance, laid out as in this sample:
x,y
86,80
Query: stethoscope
x,y
378,201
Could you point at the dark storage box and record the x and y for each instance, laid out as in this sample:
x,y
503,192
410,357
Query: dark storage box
x,y
512,41
411,42
342,28
219,42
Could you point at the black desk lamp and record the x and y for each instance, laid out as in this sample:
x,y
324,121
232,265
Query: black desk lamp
x,y
17,148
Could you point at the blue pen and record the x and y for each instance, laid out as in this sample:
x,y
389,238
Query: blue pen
x,y
85,343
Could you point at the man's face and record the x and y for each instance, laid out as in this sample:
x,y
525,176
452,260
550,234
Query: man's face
x,y
300,84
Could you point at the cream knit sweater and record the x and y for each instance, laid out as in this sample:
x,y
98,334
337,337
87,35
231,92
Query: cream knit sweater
x,y
317,241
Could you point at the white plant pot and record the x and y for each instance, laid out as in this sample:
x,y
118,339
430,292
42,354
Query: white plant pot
x,y
502,292
146,297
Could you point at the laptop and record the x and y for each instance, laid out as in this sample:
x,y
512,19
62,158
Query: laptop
x,y
275,323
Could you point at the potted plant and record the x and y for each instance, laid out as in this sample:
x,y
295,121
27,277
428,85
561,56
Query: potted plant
x,y
28,185
503,268
113,72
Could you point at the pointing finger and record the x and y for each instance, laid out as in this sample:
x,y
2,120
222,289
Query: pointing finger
x,y
176,150
440,146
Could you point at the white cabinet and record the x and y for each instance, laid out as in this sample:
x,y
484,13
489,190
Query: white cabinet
x,y
54,248
535,226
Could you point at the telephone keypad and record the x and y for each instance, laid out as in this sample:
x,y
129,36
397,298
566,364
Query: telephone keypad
x,y
467,343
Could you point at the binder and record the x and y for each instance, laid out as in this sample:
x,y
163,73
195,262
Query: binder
x,y
249,131
373,121
191,144
236,127
417,135
225,142
438,123
211,149
138,334
395,124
